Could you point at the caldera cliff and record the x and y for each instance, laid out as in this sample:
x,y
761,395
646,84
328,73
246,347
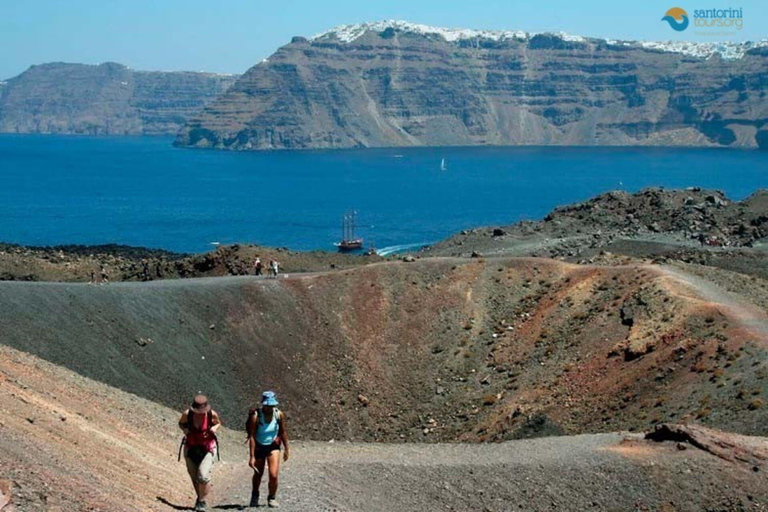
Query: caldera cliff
x,y
108,99
400,84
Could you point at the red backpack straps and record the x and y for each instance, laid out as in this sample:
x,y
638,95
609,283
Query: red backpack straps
x,y
191,426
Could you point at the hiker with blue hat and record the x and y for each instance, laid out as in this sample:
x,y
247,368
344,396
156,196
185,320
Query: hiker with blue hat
x,y
266,433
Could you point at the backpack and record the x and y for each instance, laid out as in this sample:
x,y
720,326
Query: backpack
x,y
254,411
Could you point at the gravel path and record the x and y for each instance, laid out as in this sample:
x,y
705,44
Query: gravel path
x,y
751,317
589,472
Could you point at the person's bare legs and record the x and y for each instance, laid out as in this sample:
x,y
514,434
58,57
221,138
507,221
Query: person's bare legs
x,y
203,490
274,469
257,474
198,472
193,472
256,480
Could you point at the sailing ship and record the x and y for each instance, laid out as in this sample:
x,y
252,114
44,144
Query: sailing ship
x,y
349,242
443,166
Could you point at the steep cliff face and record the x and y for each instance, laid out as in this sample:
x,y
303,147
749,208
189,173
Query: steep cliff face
x,y
105,99
398,84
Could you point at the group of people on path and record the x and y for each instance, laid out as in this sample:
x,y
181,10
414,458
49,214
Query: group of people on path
x,y
103,275
273,269
266,436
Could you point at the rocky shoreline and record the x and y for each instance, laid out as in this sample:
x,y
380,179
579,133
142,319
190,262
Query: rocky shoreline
x,y
691,226
76,263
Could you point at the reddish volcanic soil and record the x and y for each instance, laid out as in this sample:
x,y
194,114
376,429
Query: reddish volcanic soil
x,y
437,349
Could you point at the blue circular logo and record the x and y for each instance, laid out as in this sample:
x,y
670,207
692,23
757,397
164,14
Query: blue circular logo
x,y
677,19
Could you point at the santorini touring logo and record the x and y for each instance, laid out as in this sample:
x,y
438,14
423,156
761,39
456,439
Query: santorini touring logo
x,y
677,19
731,18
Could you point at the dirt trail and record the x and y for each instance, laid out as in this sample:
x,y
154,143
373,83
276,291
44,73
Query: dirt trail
x,y
751,317
589,472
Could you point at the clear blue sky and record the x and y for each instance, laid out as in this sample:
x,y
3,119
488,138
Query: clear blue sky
x,y
229,36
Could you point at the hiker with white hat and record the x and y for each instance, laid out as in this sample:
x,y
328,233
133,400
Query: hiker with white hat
x,y
266,433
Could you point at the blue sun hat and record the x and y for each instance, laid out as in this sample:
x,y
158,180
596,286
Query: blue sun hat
x,y
269,398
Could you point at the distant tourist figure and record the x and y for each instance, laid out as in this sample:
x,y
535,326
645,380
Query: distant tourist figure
x,y
275,268
266,433
200,424
257,266
104,275
93,277
144,269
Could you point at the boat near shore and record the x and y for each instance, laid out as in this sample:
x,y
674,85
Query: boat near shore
x,y
349,242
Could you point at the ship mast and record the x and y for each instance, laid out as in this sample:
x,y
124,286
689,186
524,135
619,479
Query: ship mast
x,y
348,240
348,226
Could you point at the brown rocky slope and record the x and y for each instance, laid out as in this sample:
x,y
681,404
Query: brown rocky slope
x,y
437,349
694,225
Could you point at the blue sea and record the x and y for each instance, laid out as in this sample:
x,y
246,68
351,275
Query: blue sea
x,y
142,191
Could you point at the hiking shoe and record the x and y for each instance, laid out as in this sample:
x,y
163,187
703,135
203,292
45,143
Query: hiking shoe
x,y
254,499
272,502
201,506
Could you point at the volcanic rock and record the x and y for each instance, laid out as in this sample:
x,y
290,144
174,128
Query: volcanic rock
x,y
108,99
401,84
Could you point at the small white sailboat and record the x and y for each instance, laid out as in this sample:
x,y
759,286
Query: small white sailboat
x,y
443,166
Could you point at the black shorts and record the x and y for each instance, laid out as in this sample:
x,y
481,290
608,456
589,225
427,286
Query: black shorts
x,y
263,451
